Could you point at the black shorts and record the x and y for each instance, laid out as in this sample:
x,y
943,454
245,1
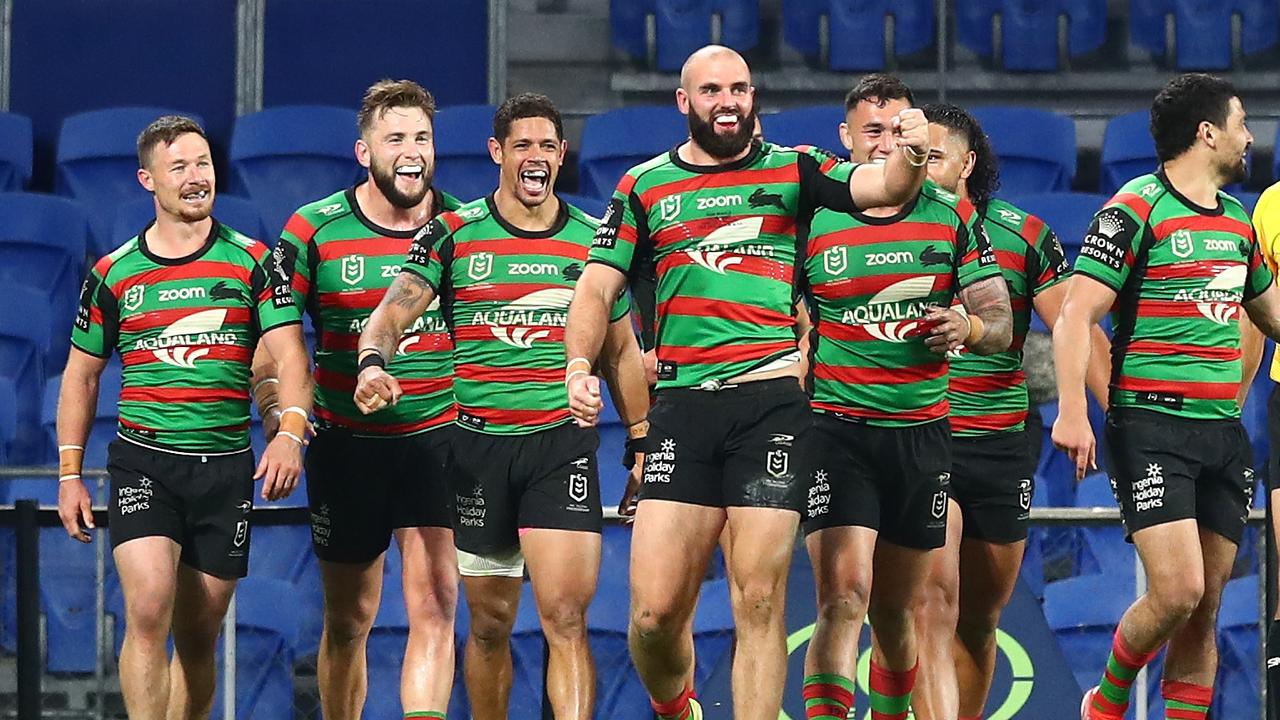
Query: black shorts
x,y
1273,434
1165,468
890,479
993,480
361,488
201,502
740,446
505,483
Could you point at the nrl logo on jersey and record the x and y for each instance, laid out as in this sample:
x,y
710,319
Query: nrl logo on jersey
x,y
134,296
480,265
725,246
1220,297
1182,244
352,269
894,313
527,319
669,207
188,339
835,260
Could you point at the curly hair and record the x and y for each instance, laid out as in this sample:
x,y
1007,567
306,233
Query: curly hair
x,y
983,182
520,107
1180,107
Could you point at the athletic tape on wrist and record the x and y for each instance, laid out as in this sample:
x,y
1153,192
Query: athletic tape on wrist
x,y
291,436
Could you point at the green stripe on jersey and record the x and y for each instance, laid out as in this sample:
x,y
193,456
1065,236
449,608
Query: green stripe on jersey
x,y
988,393
506,295
872,281
337,264
185,330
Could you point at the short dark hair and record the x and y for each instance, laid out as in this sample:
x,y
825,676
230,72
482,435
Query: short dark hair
x,y
165,129
1182,105
879,89
985,178
525,105
386,94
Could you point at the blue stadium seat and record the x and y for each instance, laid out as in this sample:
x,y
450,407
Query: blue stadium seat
x,y
326,52
615,141
528,653
237,212
463,166
1238,686
1036,148
286,157
1029,30
104,419
43,241
1202,30
857,36
266,632
619,692
98,162
682,26
16,147
281,552
8,421
1127,150
24,343
1248,199
712,629
385,651
592,206
1067,213
1082,612
67,597
627,20
1102,548
818,125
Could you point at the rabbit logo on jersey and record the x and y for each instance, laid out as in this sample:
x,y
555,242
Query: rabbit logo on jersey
x,y
1220,297
175,344
529,318
894,313
725,246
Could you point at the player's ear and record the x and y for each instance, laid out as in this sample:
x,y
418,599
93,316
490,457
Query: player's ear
x,y
564,151
495,151
970,162
363,155
682,101
845,139
146,181
1209,133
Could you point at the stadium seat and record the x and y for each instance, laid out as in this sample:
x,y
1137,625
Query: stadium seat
x,y
818,125
682,26
1202,31
16,147
1082,612
528,657
266,631
859,35
464,168
281,552
98,162
615,141
1067,213
592,206
104,426
24,343
43,241
237,212
1127,150
1238,687
286,157
8,423
1029,30
1036,148
619,692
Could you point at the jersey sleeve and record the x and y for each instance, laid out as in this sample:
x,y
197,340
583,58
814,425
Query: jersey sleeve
x,y
1266,227
97,323
1051,266
290,268
1110,245
975,258
623,227
1260,275
427,258
273,301
824,179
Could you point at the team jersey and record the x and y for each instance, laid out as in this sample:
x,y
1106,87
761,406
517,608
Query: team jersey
x,y
1180,273
872,280
988,393
337,264
186,329
1266,223
722,243
505,294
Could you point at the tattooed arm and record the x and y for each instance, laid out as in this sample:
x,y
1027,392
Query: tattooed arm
x,y
405,301
987,326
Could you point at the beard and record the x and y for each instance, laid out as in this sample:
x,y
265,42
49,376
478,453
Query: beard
x,y
1234,172
721,146
385,180
189,213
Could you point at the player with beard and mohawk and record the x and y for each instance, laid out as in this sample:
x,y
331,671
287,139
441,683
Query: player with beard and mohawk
x,y
371,478
717,217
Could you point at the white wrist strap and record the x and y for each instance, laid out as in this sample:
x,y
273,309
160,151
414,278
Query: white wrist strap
x,y
69,476
294,409
70,447
291,436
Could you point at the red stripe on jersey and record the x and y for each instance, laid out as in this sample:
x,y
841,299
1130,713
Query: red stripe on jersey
x,y
729,262
384,429
517,417
1014,261
170,394
451,220
1192,270
522,246
416,342
871,234
858,333
880,376
1136,203
788,173
989,422
95,314
871,284
103,266
737,352
1178,309
965,210
374,245
352,299
335,381
932,412
486,332
300,228
499,291
987,382
195,270
1203,223
702,227
1185,388
228,353
1031,229
625,184
1153,347
724,310
161,318
484,373
135,426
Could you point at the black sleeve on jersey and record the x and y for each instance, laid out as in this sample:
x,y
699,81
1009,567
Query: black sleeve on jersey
x,y
257,285
283,262
821,191
445,291
1053,254
87,291
1110,236
644,293
607,233
981,241
110,318
432,235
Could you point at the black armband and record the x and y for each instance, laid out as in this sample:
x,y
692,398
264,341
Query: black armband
x,y
371,359
629,450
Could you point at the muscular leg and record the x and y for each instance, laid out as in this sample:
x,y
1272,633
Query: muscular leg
x,y
761,547
1193,651
936,696
671,544
148,569
988,575
841,558
900,574
352,592
198,611
486,662
430,579
563,567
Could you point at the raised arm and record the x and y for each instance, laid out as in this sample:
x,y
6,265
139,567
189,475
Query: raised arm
x,y
77,404
1086,302
897,180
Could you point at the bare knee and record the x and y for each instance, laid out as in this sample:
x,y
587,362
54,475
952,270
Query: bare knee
x,y
758,603
149,615
656,623
432,608
848,605
1176,602
563,620
347,623
491,625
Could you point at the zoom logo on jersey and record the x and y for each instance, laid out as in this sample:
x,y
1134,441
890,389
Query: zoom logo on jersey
x,y
529,318
719,201
894,313
524,268
1220,297
896,257
187,340
186,293
724,247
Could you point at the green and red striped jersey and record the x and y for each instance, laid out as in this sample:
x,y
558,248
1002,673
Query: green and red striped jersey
x,y
506,294
722,241
1180,272
185,329
337,264
871,281
988,393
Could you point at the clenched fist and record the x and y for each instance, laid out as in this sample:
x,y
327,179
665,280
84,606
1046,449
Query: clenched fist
x,y
913,131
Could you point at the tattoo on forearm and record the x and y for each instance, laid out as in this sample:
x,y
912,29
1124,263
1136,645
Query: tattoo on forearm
x,y
989,300
406,291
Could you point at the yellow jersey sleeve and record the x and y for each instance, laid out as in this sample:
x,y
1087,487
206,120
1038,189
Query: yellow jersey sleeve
x,y
1266,224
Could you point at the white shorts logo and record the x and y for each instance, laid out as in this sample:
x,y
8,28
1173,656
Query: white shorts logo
x,y
777,462
242,533
1024,494
939,507
578,487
